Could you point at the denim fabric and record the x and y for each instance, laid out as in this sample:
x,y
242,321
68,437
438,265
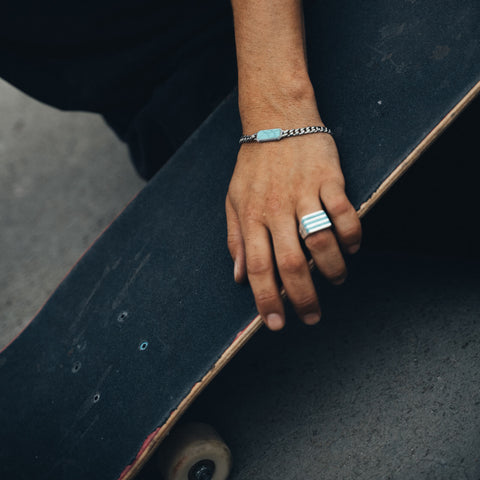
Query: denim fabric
x,y
179,105
154,69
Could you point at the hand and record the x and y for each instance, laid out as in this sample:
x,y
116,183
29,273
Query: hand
x,y
273,186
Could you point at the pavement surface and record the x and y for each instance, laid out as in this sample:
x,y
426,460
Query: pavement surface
x,y
64,176
385,388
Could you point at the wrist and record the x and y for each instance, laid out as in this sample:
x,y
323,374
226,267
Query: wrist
x,y
266,87
284,105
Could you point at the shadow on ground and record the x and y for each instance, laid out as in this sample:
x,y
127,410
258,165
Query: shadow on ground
x,y
386,387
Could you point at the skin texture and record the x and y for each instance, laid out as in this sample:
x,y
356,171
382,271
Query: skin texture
x,y
276,183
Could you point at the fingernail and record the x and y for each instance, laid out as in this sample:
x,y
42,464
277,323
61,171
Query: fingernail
x,y
352,249
311,318
274,321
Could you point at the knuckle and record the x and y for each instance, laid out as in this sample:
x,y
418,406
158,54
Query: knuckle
x,y
233,194
250,222
233,243
318,241
265,298
352,234
337,274
252,213
339,206
232,239
257,265
291,263
249,212
333,176
274,206
306,302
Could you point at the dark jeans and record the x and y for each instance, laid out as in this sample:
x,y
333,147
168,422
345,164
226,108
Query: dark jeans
x,y
153,69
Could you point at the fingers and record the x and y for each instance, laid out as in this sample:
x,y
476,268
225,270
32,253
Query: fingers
x,y
250,246
261,274
235,243
342,214
324,246
252,232
294,272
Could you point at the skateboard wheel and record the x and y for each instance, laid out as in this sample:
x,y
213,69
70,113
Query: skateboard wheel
x,y
194,451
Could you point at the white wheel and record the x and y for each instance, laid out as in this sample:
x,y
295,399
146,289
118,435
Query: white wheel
x,y
194,451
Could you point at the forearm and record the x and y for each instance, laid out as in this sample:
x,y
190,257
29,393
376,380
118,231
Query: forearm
x,y
273,81
276,184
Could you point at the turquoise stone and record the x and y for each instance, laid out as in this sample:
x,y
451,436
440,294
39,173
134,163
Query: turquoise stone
x,y
269,135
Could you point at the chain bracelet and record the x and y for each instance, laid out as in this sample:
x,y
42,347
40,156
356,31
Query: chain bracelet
x,y
277,134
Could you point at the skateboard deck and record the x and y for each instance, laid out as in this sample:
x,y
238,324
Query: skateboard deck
x,y
150,314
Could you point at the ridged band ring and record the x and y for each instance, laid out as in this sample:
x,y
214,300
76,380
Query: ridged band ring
x,y
313,222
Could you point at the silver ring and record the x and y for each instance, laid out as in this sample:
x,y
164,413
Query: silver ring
x,y
313,222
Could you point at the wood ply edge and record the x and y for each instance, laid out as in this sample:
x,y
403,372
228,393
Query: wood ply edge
x,y
241,339
413,156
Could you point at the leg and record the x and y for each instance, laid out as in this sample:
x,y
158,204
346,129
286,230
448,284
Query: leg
x,y
179,104
154,70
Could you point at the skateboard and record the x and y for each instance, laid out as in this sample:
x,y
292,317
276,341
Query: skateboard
x,y
150,314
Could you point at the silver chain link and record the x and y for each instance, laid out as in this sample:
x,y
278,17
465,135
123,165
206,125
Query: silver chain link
x,y
293,132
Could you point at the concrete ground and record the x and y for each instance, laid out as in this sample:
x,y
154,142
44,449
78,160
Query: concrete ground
x,y
386,388
63,178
